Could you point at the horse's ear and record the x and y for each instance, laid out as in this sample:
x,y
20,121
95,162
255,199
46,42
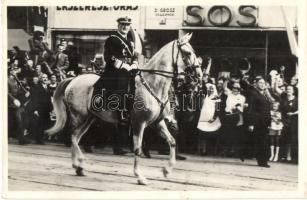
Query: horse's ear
x,y
190,36
185,39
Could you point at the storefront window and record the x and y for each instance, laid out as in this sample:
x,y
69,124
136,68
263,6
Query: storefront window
x,y
230,49
88,44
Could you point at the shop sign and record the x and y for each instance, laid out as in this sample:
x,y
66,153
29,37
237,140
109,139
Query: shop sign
x,y
164,17
92,17
221,16
239,16
96,8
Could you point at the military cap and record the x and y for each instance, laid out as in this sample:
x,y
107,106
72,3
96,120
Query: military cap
x,y
124,20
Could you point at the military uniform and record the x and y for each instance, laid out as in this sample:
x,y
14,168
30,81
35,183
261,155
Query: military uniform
x,y
16,121
116,79
117,48
120,58
118,51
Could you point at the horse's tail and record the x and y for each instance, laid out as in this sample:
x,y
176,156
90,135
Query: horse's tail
x,y
59,108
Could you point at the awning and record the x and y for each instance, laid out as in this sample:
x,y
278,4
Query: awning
x,y
18,37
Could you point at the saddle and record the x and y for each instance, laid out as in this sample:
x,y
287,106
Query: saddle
x,y
113,93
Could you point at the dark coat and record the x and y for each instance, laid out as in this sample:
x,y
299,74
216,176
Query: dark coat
x,y
289,106
117,47
61,61
258,111
74,58
15,92
40,99
113,79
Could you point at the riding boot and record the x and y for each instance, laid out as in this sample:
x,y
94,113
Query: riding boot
x,y
117,142
272,153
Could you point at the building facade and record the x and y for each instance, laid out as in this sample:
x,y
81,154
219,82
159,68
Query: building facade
x,y
230,35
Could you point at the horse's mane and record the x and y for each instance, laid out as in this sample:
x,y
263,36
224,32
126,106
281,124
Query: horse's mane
x,y
156,56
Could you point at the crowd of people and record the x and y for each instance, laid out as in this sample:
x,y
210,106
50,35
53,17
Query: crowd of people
x,y
241,116
235,116
32,79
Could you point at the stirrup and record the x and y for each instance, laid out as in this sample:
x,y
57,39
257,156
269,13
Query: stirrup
x,y
123,118
122,115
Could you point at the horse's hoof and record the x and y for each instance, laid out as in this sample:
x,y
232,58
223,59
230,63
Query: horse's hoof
x,y
79,171
143,182
166,172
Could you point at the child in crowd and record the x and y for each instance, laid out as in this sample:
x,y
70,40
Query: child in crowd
x,y
275,131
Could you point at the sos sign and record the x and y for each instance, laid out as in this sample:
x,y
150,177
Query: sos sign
x,y
222,16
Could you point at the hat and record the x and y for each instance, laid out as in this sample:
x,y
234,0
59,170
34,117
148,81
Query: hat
x,y
38,33
124,20
273,73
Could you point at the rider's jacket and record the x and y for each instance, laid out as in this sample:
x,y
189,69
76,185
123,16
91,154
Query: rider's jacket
x,y
119,48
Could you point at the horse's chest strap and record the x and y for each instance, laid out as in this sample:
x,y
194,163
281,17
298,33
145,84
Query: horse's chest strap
x,y
162,104
162,107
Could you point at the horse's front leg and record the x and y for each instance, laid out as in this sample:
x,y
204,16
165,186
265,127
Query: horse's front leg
x,y
172,144
138,131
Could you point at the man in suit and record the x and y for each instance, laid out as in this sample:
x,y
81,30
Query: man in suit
x,y
258,120
61,62
16,97
41,107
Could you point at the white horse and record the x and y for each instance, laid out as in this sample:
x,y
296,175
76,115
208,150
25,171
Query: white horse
x,y
72,99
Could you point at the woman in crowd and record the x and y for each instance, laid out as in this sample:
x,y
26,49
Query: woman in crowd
x,y
233,120
209,122
290,117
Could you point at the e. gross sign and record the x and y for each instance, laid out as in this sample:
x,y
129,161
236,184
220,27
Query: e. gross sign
x,y
222,16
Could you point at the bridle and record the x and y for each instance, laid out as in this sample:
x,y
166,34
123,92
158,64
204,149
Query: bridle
x,y
174,75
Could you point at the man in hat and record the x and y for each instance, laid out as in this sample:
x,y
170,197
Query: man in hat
x,y
120,59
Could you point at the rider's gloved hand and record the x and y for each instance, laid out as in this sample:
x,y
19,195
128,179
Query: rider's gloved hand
x,y
129,67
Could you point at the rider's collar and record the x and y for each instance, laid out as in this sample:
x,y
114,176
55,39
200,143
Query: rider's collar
x,y
122,35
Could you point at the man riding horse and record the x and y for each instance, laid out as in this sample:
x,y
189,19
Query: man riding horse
x,y
120,59
72,102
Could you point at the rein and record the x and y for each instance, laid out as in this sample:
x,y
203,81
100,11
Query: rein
x,y
163,73
166,74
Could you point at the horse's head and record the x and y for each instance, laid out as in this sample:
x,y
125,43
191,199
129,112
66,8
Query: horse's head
x,y
189,62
